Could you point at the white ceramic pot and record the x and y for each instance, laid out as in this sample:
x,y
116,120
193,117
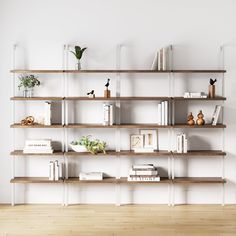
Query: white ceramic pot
x,y
78,148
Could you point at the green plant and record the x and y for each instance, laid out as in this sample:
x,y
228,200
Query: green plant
x,y
78,52
28,81
93,146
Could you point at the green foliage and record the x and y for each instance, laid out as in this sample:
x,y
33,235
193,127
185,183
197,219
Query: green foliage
x,y
78,52
93,146
28,81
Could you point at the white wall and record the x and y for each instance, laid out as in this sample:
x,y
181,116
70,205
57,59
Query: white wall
x,y
195,28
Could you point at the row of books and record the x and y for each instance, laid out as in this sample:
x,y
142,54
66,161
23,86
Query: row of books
x,y
143,172
163,113
108,114
181,143
161,59
56,170
38,146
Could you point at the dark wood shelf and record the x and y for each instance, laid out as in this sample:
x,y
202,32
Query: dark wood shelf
x,y
198,180
218,98
37,98
201,153
76,180
34,180
18,125
199,126
20,153
114,71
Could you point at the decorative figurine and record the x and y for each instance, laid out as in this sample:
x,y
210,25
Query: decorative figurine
x,y
91,94
190,119
211,89
107,92
200,120
29,120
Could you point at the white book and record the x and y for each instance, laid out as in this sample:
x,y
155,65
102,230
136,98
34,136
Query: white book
x,y
166,112
61,171
143,172
38,142
56,166
34,151
185,148
111,114
51,171
159,60
91,176
179,143
38,147
163,113
159,113
144,179
106,115
47,113
155,62
164,58
216,114
143,167
143,150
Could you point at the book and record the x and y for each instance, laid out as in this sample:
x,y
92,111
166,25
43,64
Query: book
x,y
108,114
159,113
143,179
216,114
61,171
162,113
143,167
38,142
56,167
143,172
111,114
181,143
39,151
47,113
51,171
155,62
166,112
91,176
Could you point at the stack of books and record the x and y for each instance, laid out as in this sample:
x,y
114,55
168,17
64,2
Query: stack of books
x,y
216,114
56,170
161,59
38,146
195,95
143,172
163,113
108,114
181,143
91,176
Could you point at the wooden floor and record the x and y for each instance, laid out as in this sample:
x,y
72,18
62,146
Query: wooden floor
x,y
104,220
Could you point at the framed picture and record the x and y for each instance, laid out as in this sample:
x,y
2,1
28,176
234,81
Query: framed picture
x,y
136,141
150,138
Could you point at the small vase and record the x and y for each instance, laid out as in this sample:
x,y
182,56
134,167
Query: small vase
x,y
28,93
211,91
78,65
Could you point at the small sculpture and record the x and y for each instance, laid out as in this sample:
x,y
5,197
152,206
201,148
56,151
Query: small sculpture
x,y
200,120
211,89
190,119
29,120
91,94
107,92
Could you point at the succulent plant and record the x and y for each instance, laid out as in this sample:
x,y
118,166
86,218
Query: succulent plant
x,y
78,52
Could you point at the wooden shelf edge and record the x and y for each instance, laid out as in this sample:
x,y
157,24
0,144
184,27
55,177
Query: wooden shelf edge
x,y
20,153
37,98
35,180
203,153
199,180
18,125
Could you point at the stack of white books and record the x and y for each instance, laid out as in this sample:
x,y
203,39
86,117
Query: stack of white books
x,y
38,146
47,113
91,176
161,59
143,172
56,170
195,95
108,114
216,114
163,113
181,143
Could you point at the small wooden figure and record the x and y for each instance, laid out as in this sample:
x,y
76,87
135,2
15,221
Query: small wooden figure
x,y
107,92
200,120
91,94
190,119
211,88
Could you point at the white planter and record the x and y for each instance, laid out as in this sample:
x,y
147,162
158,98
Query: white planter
x,y
78,148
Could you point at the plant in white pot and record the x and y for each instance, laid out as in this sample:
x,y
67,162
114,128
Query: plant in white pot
x,y
78,54
85,143
28,82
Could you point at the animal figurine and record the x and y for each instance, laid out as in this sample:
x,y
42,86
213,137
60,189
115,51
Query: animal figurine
x,y
107,92
108,83
190,119
91,94
212,81
200,120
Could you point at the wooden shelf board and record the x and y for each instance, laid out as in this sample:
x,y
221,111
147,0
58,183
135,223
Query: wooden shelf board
x,y
199,180
20,153
199,126
37,98
36,180
76,180
115,71
117,98
201,153
18,125
219,98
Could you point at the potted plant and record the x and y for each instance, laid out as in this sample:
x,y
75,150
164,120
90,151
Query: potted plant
x,y
78,54
85,143
28,82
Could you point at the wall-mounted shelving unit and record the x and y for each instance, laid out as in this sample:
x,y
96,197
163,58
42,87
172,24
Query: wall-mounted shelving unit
x,y
169,154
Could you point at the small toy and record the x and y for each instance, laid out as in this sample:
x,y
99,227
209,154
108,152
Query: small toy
x,y
190,119
107,92
91,94
211,88
200,120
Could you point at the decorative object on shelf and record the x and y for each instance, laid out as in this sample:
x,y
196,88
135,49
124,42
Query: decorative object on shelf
x,y
91,175
190,119
91,94
181,143
56,170
78,54
211,88
195,95
107,92
200,120
93,146
28,82
77,147
108,114
38,146
47,113
29,120
136,141
150,139
216,114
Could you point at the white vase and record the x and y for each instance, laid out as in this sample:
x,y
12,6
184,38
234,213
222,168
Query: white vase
x,y
78,148
78,65
28,92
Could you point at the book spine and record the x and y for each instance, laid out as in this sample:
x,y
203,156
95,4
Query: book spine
x,y
185,148
143,167
148,179
162,113
61,171
164,59
47,118
51,171
159,114
143,172
56,166
105,114
111,115
38,142
155,62
166,113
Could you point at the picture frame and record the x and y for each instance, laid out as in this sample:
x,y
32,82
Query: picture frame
x,y
136,141
150,138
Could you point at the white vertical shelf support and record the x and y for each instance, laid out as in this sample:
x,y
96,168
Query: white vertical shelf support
x,y
13,121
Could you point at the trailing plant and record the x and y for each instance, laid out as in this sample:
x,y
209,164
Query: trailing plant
x,y
78,52
93,146
28,81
